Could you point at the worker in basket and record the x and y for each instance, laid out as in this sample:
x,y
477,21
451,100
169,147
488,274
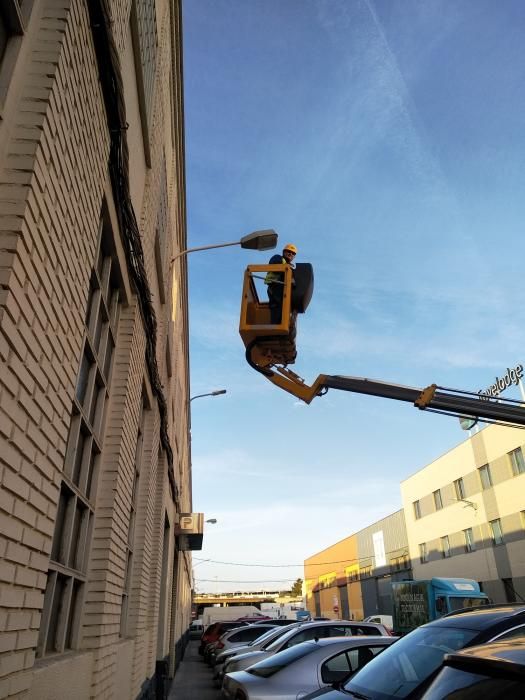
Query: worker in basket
x,y
275,281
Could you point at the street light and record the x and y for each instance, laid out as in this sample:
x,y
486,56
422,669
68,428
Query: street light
x,y
258,240
212,521
218,392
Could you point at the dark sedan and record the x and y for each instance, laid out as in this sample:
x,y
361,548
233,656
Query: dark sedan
x,y
406,668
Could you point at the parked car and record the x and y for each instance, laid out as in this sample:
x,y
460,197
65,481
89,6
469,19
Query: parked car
x,y
304,633
385,620
236,638
214,631
302,668
491,671
406,669
196,629
260,643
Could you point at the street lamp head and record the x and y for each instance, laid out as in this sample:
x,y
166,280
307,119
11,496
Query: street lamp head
x,y
212,521
260,240
217,392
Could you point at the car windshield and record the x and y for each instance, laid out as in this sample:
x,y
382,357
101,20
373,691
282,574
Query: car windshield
x,y
269,643
270,634
408,662
267,667
457,683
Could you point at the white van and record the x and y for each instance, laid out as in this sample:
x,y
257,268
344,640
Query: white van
x,y
196,629
385,620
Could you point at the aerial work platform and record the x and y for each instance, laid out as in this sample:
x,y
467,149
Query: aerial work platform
x,y
271,348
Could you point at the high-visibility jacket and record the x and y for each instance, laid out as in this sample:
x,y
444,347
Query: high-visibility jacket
x,y
272,277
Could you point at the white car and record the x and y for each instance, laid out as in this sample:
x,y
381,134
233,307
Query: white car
x,y
303,633
304,668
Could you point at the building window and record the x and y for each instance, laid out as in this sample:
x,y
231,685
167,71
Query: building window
x,y
469,540
496,532
445,547
417,510
522,515
131,527
145,42
11,22
485,476
459,488
438,502
423,554
60,627
399,563
327,580
510,592
517,461
365,571
352,573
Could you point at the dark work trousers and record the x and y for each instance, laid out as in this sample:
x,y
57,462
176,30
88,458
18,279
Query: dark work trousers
x,y
275,296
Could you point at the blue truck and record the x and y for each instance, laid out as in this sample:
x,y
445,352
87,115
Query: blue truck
x,y
417,602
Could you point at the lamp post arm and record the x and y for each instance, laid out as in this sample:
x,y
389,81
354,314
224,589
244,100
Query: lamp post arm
x,y
203,247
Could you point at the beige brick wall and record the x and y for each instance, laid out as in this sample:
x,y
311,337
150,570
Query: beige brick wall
x,y
54,143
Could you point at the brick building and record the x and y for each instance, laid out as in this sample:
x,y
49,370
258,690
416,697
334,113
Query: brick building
x,y
95,588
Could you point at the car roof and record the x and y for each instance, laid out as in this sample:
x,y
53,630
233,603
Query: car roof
x,y
481,618
496,656
361,640
250,627
328,623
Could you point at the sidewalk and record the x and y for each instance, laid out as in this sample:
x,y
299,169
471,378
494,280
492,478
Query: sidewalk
x,y
193,679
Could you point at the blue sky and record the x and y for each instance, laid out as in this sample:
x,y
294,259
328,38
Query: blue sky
x,y
385,138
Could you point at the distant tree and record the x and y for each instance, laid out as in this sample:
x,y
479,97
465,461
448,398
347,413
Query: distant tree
x,y
297,588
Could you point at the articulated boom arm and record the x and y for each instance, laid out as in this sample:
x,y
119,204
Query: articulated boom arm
x,y
433,398
270,348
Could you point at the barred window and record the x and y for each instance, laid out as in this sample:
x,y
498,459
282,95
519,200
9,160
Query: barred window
x,y
365,571
445,547
60,627
417,510
438,501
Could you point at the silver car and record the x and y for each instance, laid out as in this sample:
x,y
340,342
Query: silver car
x,y
259,643
237,638
304,633
304,668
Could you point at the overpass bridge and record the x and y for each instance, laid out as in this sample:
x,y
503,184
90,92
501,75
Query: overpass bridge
x,y
202,600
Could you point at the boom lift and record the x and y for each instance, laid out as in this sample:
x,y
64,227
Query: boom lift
x,y
270,348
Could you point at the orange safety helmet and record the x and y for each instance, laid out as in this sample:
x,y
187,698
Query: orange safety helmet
x,y
292,247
